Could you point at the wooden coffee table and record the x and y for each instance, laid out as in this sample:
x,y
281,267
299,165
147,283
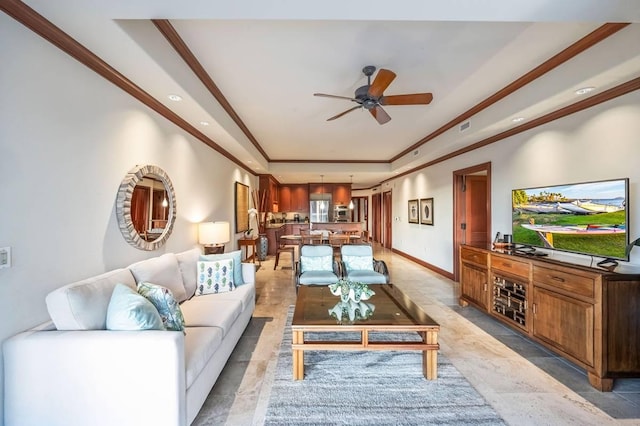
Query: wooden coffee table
x,y
394,312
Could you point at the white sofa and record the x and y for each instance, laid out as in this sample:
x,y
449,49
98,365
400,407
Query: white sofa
x,y
73,371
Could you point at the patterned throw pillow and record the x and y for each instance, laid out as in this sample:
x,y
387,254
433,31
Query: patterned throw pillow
x,y
215,277
165,303
358,263
130,311
237,263
316,263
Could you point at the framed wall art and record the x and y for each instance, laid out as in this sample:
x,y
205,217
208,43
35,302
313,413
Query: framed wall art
x,y
413,211
426,211
242,207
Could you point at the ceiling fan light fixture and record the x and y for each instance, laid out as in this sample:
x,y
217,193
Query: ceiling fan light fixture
x,y
371,96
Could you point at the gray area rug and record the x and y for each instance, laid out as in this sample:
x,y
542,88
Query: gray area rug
x,y
372,388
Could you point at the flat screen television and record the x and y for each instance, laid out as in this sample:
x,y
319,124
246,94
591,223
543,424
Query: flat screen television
x,y
588,218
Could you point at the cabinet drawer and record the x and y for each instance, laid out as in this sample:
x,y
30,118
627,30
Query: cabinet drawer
x,y
508,264
570,282
477,257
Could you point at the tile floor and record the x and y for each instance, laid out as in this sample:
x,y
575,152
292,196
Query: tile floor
x,y
522,380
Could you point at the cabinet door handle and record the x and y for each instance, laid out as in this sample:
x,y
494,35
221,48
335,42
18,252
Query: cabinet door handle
x,y
534,308
559,279
485,287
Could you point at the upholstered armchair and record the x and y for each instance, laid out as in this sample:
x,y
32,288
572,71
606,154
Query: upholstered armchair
x,y
358,264
316,266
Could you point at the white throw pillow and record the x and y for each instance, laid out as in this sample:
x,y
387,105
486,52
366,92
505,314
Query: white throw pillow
x,y
163,271
215,276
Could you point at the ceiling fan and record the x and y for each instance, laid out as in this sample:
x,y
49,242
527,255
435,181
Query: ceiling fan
x,y
371,97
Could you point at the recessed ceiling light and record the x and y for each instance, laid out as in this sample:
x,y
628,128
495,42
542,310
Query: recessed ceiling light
x,y
175,98
585,90
204,123
249,161
517,119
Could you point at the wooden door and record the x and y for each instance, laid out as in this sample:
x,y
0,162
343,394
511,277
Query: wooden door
x,y
386,219
472,209
376,215
475,193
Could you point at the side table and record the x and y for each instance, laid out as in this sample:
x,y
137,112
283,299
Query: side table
x,y
247,243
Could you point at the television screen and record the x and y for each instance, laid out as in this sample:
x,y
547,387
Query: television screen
x,y
587,218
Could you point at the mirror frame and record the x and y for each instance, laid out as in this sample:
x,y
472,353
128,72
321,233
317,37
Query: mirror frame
x,y
123,207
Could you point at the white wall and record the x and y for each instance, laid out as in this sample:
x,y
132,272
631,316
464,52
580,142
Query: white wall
x,y
67,138
600,143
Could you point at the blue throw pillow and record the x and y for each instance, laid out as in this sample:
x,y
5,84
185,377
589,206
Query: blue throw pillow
x,y
237,263
165,303
130,311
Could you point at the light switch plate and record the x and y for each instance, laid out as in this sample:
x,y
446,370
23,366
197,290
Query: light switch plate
x,y
5,257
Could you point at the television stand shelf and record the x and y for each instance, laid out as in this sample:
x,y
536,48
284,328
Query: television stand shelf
x,y
587,315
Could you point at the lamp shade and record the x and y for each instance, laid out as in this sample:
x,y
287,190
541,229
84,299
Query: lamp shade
x,y
210,233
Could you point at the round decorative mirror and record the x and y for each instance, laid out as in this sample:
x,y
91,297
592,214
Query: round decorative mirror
x,y
146,207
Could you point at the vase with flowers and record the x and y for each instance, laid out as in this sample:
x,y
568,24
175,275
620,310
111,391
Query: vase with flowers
x,y
259,215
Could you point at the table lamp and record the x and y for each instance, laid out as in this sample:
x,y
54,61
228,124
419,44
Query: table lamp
x,y
213,235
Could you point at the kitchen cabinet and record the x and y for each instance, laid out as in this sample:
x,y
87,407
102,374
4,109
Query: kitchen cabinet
x,y
341,193
284,199
299,198
294,198
318,188
587,315
270,184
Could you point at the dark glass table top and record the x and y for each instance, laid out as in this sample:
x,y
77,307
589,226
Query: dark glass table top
x,y
390,306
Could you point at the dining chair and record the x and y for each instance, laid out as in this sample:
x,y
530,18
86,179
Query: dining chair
x,y
283,247
336,241
309,238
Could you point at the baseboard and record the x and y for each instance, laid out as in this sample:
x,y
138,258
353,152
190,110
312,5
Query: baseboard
x,y
425,264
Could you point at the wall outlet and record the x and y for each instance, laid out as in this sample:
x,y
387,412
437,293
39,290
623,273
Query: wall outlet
x,y
5,257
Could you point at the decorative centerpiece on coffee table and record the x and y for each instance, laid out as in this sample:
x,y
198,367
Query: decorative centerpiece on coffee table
x,y
352,306
351,290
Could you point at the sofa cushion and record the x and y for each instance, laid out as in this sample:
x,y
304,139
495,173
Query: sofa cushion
x,y
165,303
357,262
83,305
237,263
187,263
210,311
246,294
163,271
318,277
215,276
366,276
316,258
128,310
200,343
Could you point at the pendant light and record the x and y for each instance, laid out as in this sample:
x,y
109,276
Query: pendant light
x,y
351,200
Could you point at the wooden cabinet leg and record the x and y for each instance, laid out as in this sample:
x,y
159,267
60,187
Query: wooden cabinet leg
x,y
603,385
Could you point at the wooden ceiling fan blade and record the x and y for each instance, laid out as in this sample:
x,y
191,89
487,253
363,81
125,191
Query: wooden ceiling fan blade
x,y
324,95
344,112
381,82
411,99
380,115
